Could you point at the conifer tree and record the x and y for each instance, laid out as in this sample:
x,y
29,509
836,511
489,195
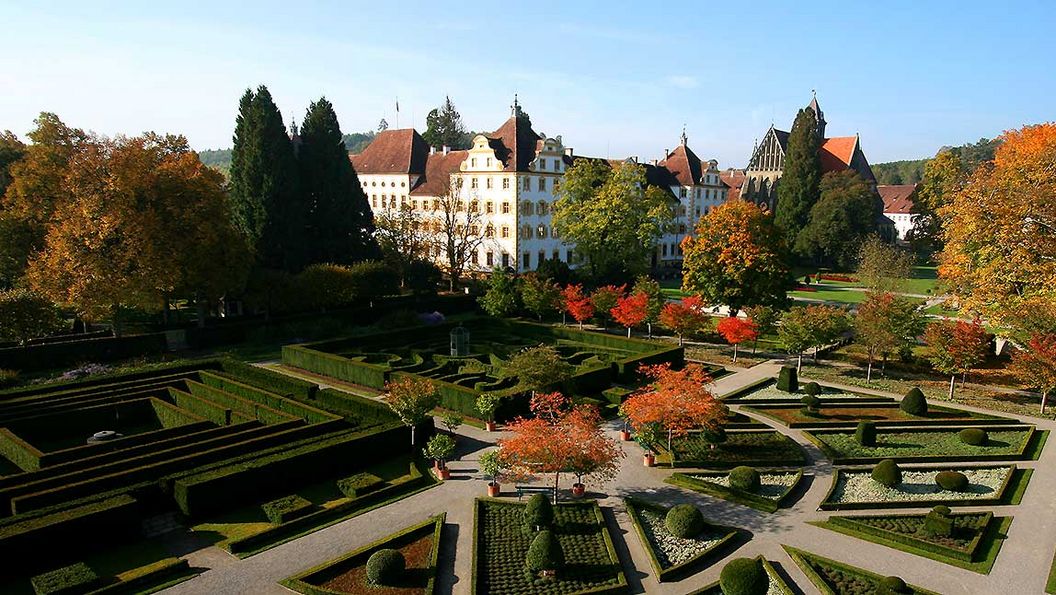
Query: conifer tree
x,y
340,222
798,189
444,127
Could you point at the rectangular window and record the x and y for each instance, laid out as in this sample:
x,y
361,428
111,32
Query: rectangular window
x,y
489,207
568,255
505,183
505,260
505,231
542,164
473,162
374,200
473,183
489,161
542,184
527,260
490,259
487,183
476,257
542,257
555,255
682,193
506,208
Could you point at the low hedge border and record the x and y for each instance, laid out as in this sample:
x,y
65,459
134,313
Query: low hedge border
x,y
300,582
398,489
1030,450
150,578
280,384
287,508
763,409
804,560
664,458
306,412
979,557
696,563
18,451
684,480
259,411
100,349
1008,493
365,411
84,451
172,416
66,531
782,586
737,396
65,387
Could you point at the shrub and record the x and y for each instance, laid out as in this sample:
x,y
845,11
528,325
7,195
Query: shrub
x,y
359,484
286,508
8,378
942,509
914,403
938,522
887,473
744,478
812,388
865,434
744,576
973,436
76,578
893,585
684,520
811,405
384,567
538,513
788,379
544,555
952,481
714,435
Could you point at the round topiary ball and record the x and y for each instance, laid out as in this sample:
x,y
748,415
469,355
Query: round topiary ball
x,y
865,433
545,554
942,510
538,513
684,521
887,473
952,481
744,576
973,436
384,567
914,403
893,585
744,478
812,388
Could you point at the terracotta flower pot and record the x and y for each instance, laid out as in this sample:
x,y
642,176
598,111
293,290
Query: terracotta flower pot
x,y
443,472
625,435
489,426
493,489
578,490
648,460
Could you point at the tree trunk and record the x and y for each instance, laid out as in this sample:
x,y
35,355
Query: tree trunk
x,y
669,446
735,353
755,343
563,320
953,378
649,326
869,371
412,439
680,343
628,332
1044,400
799,363
557,477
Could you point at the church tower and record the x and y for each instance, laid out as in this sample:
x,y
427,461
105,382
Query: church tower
x,y
819,116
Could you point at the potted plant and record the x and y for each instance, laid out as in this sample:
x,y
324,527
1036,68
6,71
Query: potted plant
x,y
439,448
491,465
647,436
487,403
625,432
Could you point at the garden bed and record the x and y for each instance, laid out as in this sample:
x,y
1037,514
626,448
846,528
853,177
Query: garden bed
x,y
974,544
854,488
500,546
419,544
777,486
766,390
673,557
836,578
754,448
777,586
883,414
923,445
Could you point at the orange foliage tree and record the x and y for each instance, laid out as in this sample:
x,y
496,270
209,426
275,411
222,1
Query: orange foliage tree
x,y
631,310
562,439
1035,365
675,402
956,347
604,299
736,331
578,304
684,317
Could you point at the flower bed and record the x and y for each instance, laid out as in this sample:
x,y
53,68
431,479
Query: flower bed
x,y
831,576
500,546
776,486
766,390
920,445
674,557
847,415
856,489
973,545
777,585
419,544
757,449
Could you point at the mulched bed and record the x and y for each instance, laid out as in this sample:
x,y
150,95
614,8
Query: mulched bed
x,y
354,581
740,448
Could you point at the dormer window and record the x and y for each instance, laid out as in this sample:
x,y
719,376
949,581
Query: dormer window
x,y
473,162
489,162
542,164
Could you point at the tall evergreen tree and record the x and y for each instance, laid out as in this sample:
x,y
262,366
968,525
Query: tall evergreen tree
x,y
444,127
265,199
340,222
844,216
798,189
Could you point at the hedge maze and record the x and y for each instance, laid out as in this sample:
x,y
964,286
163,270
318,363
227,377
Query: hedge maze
x,y
197,439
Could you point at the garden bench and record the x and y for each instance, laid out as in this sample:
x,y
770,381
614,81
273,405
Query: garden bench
x,y
522,490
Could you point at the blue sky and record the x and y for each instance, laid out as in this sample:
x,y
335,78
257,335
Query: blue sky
x,y
613,78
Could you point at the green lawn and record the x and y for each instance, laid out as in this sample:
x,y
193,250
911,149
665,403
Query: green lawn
x,y
769,449
845,296
924,443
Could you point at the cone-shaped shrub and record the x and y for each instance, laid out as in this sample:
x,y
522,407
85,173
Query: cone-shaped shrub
x,y
788,379
744,576
545,554
744,478
887,473
684,521
865,434
538,513
914,403
384,567
973,436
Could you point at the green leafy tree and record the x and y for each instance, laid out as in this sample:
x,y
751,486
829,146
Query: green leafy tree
x,y
25,315
604,299
799,187
538,367
403,241
765,319
843,217
881,266
264,190
612,216
796,333
540,296
501,297
885,324
650,287
444,127
340,222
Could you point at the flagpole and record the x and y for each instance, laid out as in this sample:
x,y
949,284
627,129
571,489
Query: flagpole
x,y
397,112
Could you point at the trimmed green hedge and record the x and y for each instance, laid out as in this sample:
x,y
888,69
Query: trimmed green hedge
x,y
258,411
218,414
18,451
111,380
334,366
103,349
69,580
148,578
684,480
306,412
689,566
268,380
359,484
810,563
967,554
173,417
367,412
286,508
151,439
1003,495
69,531
1027,450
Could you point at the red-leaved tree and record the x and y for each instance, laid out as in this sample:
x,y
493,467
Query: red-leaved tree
x,y
736,331
577,303
604,299
631,310
684,317
956,347
1035,365
676,402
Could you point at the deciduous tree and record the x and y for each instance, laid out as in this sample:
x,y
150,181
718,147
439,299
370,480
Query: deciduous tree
x,y
736,331
412,398
462,230
955,347
650,287
1035,365
881,266
402,239
579,305
604,299
684,317
500,299
884,324
631,310
540,296
676,400
843,217
765,319
796,333
538,367
25,315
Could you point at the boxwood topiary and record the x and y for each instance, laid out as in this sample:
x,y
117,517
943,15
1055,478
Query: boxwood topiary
x,y
952,481
893,585
684,520
744,478
538,513
544,555
887,473
811,405
76,578
914,403
938,523
812,388
865,433
973,436
384,567
788,379
744,576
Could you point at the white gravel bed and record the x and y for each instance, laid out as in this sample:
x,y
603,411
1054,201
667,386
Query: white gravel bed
x,y
671,550
771,485
858,486
775,583
771,392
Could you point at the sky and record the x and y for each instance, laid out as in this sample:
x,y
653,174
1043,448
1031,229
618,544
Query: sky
x,y
614,79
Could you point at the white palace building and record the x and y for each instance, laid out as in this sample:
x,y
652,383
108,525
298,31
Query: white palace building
x,y
509,178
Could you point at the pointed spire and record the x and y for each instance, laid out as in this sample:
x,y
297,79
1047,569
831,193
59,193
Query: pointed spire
x,y
685,139
515,109
293,126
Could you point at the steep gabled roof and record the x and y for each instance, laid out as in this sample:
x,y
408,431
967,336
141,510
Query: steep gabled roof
x,y
401,151
837,153
733,179
438,170
514,143
684,165
898,198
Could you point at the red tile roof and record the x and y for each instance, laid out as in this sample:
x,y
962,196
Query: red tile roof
x,y
515,143
836,153
401,151
438,170
898,198
733,179
684,165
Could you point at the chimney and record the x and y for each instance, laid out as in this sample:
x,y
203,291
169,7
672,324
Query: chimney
x,y
654,162
447,149
568,151
432,150
667,153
